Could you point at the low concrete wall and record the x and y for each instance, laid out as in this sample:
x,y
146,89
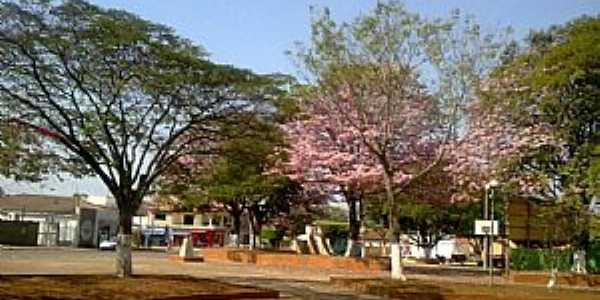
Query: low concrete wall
x,y
287,259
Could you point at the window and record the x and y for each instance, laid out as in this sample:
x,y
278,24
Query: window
x,y
205,220
188,219
160,217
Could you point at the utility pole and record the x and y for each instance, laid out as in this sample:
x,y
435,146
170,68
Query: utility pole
x,y
486,237
490,187
491,253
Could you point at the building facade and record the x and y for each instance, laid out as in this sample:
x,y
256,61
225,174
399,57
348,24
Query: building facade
x,y
61,221
167,227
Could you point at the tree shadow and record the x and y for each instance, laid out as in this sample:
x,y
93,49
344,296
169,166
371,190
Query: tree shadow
x,y
304,289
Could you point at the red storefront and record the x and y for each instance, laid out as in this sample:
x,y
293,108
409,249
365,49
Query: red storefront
x,y
208,237
201,238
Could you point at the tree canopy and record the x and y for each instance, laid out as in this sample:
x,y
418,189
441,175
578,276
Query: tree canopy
x,y
117,94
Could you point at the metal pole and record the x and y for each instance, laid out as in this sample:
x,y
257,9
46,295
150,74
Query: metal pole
x,y
486,237
491,254
507,236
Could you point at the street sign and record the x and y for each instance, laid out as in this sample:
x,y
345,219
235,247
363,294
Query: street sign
x,y
486,227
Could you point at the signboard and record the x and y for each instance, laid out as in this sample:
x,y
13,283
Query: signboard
x,y
486,227
154,231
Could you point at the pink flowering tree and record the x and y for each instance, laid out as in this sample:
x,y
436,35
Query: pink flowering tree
x,y
367,110
330,161
337,144
504,141
335,149
373,106
341,145
488,149
369,123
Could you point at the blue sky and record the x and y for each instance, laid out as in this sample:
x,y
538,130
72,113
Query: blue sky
x,y
255,34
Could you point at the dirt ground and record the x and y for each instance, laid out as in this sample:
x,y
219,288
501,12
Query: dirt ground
x,y
437,290
292,283
106,287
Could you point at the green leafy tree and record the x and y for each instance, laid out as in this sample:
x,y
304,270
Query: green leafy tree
x,y
113,93
556,82
22,155
430,223
236,177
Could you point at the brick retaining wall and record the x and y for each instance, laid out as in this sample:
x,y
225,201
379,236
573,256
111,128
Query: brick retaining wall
x,y
291,259
287,259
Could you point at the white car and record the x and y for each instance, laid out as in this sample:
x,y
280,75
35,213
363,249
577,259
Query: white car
x,y
108,245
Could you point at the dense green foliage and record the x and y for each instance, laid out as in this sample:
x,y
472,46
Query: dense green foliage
x,y
114,95
523,259
556,82
338,234
22,155
235,176
274,236
593,258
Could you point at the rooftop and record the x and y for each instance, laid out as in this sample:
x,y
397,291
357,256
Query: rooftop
x,y
43,204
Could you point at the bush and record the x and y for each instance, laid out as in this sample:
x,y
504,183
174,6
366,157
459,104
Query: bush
x,y
593,258
524,259
337,233
334,230
274,236
338,246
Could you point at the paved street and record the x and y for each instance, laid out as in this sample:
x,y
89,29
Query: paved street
x,y
292,283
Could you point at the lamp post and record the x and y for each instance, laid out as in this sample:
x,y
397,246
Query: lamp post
x,y
490,187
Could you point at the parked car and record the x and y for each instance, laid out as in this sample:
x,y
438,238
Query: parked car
x,y
108,245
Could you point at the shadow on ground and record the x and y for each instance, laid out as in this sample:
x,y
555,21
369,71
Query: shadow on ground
x,y
299,289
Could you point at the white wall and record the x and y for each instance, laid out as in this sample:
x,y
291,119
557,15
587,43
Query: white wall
x,y
52,228
106,201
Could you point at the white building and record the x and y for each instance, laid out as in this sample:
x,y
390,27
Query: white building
x,y
62,221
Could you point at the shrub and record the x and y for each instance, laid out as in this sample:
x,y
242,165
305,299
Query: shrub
x,y
524,259
593,258
337,233
274,236
334,230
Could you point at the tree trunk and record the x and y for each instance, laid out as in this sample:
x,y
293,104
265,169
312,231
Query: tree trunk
x,y
257,222
258,227
354,224
393,230
250,229
236,215
427,250
123,259
253,226
237,227
258,230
